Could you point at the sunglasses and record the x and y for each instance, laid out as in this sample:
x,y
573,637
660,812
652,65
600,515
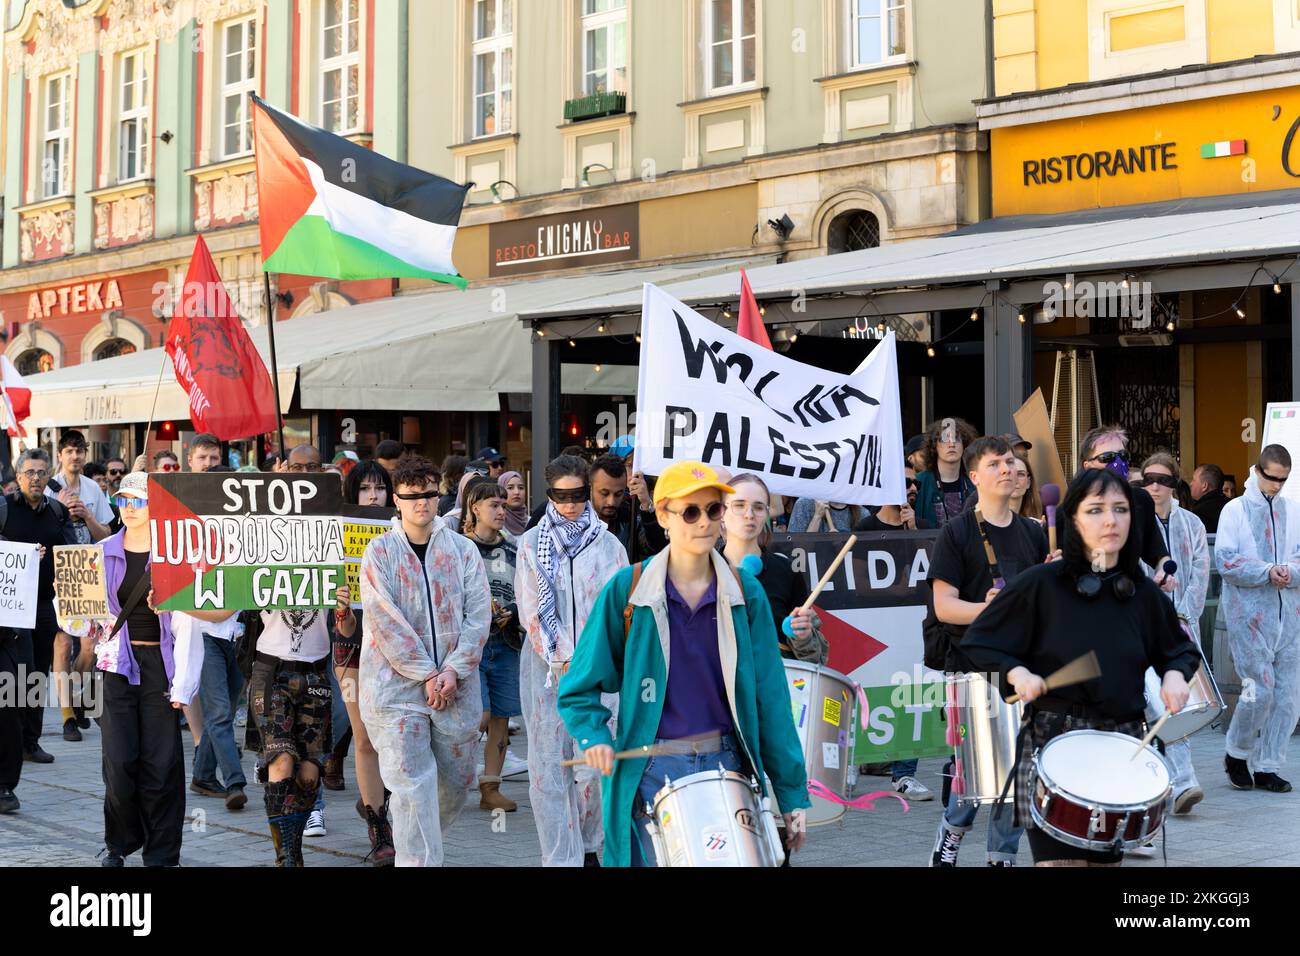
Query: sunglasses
x,y
130,502
912,486
419,496
569,496
691,513
33,475
1107,457
1164,481
169,467
115,472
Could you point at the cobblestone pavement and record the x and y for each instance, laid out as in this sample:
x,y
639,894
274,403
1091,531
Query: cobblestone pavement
x,y
61,822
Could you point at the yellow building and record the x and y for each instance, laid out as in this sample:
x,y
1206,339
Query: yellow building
x,y
1143,110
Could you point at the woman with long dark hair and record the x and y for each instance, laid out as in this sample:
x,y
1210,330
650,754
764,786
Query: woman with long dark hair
x,y
1095,599
367,484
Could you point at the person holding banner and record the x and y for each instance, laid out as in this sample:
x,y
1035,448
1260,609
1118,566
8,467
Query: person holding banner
x,y
711,692
427,607
151,671
744,526
1094,599
964,580
1185,540
563,564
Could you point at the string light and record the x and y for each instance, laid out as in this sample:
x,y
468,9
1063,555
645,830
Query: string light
x,y
1123,284
726,313
1277,288
638,338
1240,313
597,366
1021,317
541,333
1170,325
974,315
930,351
601,328
762,310
572,344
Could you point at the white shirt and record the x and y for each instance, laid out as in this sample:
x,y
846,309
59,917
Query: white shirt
x,y
294,635
91,496
228,630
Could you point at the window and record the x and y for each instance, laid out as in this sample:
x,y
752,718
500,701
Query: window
x,y
853,230
133,118
113,348
604,46
733,44
56,168
877,30
34,362
238,82
493,53
340,66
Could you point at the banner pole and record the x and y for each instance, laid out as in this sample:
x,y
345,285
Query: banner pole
x,y
154,407
275,368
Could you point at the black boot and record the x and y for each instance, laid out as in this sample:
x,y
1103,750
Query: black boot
x,y
590,859
382,852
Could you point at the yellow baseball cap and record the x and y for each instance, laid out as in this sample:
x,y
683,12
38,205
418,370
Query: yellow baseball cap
x,y
682,478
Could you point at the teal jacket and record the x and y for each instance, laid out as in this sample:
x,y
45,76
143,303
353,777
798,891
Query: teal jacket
x,y
637,670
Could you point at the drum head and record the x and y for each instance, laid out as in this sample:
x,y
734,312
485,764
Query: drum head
x,y
1096,766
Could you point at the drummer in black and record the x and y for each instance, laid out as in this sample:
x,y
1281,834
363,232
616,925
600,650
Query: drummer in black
x,y
963,583
1094,599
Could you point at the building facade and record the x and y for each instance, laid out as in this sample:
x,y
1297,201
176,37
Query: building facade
x,y
1105,106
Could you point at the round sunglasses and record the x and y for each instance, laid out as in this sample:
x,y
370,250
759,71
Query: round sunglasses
x,y
691,513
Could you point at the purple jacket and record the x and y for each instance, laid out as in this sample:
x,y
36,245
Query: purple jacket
x,y
114,571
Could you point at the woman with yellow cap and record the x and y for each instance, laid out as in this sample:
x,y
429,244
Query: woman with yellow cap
x,y
711,691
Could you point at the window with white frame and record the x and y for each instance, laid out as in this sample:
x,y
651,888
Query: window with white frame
x,y
340,65
133,117
604,46
56,165
493,66
877,31
238,83
732,44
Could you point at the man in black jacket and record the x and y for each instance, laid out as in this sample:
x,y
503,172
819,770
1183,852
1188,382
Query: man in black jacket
x,y
1208,498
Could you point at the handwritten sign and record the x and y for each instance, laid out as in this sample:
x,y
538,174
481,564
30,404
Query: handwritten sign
x,y
19,579
79,588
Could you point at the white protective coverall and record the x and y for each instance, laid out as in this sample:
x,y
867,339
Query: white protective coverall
x,y
1254,535
426,756
565,800
1186,544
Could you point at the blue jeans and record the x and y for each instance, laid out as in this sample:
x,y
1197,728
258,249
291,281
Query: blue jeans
x,y
674,767
219,689
1004,835
904,768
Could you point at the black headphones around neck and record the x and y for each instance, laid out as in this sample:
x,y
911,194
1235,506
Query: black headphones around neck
x,y
1089,585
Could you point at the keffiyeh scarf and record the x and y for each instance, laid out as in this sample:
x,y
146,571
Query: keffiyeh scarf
x,y
557,539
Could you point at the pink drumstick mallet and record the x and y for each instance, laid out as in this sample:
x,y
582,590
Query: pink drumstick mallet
x,y
1051,495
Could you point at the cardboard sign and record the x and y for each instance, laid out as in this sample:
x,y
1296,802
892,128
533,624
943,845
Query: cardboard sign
x,y
246,540
20,572
361,525
80,592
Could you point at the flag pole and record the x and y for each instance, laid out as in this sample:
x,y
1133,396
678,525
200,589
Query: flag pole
x,y
275,368
154,407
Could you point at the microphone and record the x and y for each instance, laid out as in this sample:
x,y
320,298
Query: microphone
x,y
1051,495
1170,568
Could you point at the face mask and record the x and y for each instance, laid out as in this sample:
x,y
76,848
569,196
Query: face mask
x,y
1119,466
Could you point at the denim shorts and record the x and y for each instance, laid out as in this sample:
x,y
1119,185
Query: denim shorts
x,y
498,677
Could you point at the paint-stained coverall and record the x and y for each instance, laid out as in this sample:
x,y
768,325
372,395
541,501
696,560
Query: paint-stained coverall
x,y
426,756
565,800
1186,544
1255,534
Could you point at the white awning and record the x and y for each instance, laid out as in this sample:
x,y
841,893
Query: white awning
x,y
1054,246
440,350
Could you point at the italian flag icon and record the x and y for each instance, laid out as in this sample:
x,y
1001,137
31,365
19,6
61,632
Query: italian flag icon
x,y
1227,147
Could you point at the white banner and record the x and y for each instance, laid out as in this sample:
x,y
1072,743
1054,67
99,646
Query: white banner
x,y
706,394
20,571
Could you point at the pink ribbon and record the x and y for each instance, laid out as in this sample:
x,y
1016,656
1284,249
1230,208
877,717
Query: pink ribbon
x,y
865,802
863,706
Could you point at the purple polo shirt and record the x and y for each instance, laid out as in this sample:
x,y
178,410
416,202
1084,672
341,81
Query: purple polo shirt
x,y
696,699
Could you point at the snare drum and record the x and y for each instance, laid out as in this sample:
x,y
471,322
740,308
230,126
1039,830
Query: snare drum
x,y
822,702
986,728
1204,705
1091,794
714,818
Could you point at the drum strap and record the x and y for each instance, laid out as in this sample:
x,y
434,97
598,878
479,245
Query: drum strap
x,y
994,570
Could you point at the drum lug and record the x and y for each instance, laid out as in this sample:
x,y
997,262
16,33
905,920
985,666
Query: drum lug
x,y
1122,828
1146,825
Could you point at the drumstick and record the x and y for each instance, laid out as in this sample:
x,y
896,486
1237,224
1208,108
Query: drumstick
x,y
646,750
1150,736
839,559
1076,672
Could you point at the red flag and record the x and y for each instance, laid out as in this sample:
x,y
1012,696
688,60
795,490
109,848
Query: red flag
x,y
751,320
215,360
17,403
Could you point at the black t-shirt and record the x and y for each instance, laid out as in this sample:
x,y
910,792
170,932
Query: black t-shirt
x,y
1040,621
141,623
785,587
872,522
959,559
420,549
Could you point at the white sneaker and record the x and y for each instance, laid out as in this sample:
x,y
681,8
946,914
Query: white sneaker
x,y
315,824
514,766
913,789
241,716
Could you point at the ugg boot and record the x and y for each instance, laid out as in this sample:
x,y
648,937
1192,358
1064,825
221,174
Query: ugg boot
x,y
491,797
382,852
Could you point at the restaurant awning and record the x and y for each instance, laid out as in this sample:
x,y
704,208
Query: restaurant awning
x,y
436,350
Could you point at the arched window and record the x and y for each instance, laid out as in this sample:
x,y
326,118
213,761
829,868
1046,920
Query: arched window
x,y
111,348
853,230
34,361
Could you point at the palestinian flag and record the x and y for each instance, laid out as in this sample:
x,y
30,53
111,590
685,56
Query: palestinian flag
x,y
334,209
